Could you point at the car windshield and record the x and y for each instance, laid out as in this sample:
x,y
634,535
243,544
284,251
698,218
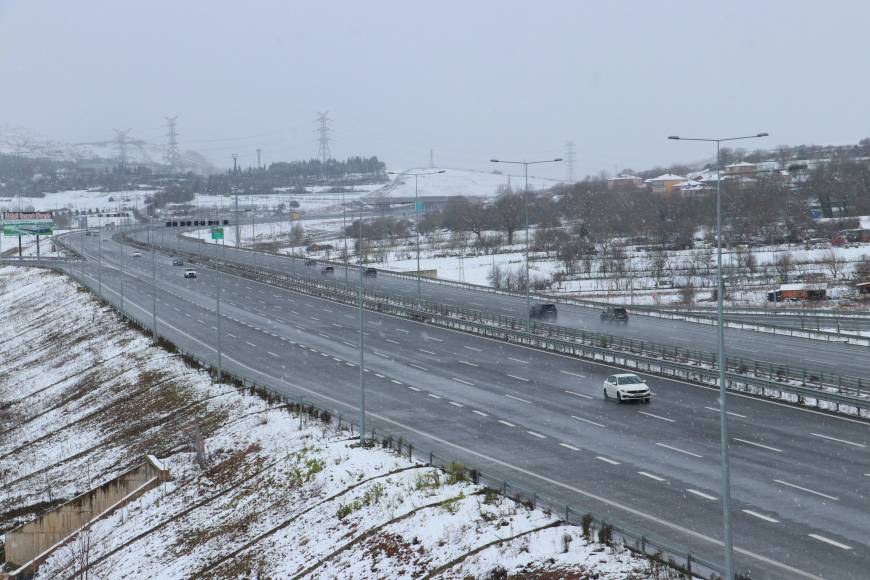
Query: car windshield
x,y
629,380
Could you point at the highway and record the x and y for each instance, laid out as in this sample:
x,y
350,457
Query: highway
x,y
800,479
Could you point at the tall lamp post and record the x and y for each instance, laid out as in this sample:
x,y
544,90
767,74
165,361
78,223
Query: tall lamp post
x,y
723,414
525,165
417,221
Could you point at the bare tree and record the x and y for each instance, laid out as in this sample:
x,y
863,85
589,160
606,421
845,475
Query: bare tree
x,y
834,262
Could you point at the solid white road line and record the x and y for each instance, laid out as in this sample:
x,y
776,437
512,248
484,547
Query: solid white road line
x,y
651,476
525,362
806,490
455,404
579,376
418,367
606,460
578,394
587,421
571,447
538,435
518,378
729,412
518,399
463,382
508,423
702,494
414,388
677,449
481,413
657,417
830,541
470,364
758,445
434,396
270,353
761,516
838,440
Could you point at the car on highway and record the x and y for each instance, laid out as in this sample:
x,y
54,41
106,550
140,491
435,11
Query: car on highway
x,y
543,311
136,254
310,262
370,273
190,273
626,387
326,270
614,314
177,262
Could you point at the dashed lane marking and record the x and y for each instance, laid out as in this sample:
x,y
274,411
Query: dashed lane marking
x,y
651,476
606,460
831,497
702,494
678,450
508,423
571,447
828,437
587,421
657,417
761,516
518,399
463,382
578,394
830,541
769,448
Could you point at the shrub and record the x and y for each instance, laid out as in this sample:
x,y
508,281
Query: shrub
x,y
586,524
455,472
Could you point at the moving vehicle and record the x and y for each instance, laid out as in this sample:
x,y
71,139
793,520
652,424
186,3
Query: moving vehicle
x,y
370,273
327,270
177,262
136,254
190,273
626,387
310,262
614,314
543,311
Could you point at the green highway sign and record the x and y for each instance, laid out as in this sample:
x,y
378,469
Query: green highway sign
x,y
22,228
217,233
419,206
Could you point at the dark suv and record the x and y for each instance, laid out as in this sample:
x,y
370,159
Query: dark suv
x,y
543,311
310,262
370,273
614,314
327,270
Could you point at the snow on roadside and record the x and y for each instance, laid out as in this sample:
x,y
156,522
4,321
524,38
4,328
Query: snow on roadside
x,y
278,496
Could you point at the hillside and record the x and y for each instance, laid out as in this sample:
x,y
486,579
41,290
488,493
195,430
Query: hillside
x,y
465,182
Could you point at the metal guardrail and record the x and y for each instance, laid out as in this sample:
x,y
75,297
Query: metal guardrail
x,y
641,542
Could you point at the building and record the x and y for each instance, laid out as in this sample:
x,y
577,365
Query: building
x,y
742,168
792,292
625,182
666,183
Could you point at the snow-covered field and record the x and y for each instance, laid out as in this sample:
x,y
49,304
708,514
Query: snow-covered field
x,y
85,397
465,182
80,199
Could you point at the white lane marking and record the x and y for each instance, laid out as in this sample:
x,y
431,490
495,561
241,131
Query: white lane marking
x,y
350,364
403,330
806,489
380,354
538,435
677,449
758,445
508,423
481,413
656,417
571,447
379,375
426,351
578,394
349,343
324,335
573,374
518,399
396,382
349,316
455,404
463,362
587,421
651,476
463,382
606,460
702,494
472,348
519,360
518,378
270,353
214,327
435,339
761,516
188,315
200,320
830,541
232,335
838,440
392,341
434,396
729,412
414,388
250,344
418,367
375,323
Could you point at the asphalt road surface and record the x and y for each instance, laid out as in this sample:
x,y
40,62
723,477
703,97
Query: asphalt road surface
x,y
800,479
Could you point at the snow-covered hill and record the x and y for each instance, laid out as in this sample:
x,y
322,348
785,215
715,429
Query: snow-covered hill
x,y
22,142
467,182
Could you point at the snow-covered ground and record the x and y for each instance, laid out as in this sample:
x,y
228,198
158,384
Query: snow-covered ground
x,y
81,199
467,182
85,397
315,199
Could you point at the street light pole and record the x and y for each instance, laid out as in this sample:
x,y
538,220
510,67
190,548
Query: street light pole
x,y
720,327
152,241
362,376
525,165
100,257
219,350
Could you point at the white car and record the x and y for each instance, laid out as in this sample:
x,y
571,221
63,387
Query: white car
x,y
137,254
190,273
626,387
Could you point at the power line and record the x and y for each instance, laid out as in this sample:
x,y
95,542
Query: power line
x,y
173,157
323,151
121,140
569,161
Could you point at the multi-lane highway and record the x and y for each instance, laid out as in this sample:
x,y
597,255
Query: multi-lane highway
x,y
800,478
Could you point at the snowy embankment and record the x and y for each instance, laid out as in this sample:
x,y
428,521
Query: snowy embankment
x,y
83,396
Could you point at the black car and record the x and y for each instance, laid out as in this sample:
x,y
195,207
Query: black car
x,y
543,311
370,273
614,314
310,262
327,270
177,262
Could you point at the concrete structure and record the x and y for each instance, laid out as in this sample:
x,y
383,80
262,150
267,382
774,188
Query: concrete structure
x,y
29,545
625,182
665,184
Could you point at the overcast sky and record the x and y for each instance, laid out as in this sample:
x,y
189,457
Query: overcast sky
x,y
471,80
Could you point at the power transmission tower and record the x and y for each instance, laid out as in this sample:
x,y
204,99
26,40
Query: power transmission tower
x,y
569,161
323,152
235,163
431,159
173,157
258,157
121,140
